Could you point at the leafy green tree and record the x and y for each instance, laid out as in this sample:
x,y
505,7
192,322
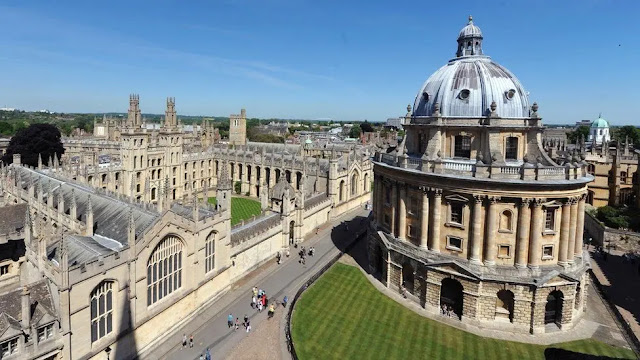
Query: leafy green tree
x,y
43,139
366,126
355,131
237,187
578,133
6,128
631,131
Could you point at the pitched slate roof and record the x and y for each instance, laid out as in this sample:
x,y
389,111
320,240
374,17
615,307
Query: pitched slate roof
x,y
12,218
11,305
110,215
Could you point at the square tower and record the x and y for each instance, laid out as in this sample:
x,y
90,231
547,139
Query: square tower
x,y
238,128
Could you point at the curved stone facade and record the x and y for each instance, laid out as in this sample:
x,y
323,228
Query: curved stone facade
x,y
472,218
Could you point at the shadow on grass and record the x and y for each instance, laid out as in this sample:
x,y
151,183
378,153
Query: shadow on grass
x,y
562,354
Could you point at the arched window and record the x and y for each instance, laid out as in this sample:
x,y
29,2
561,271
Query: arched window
x,y
101,310
366,182
591,169
506,221
153,193
164,269
209,252
341,191
354,184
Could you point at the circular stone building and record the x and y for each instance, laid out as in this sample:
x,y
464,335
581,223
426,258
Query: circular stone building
x,y
470,213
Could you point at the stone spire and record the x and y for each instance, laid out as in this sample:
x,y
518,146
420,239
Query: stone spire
x,y
89,217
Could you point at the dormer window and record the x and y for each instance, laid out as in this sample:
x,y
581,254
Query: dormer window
x,y
425,95
509,94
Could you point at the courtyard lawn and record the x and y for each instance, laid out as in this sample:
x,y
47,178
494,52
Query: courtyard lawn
x,y
241,208
342,316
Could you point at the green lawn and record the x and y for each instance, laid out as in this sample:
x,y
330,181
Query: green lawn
x,y
241,208
342,316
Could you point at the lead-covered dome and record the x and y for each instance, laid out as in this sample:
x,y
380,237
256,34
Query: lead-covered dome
x,y
469,83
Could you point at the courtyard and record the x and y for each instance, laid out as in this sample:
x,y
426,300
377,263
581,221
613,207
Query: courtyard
x,y
241,208
342,316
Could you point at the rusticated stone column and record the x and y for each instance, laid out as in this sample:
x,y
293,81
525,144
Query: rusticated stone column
x,y
490,250
476,229
565,245
434,241
402,212
424,219
572,230
524,228
580,227
536,235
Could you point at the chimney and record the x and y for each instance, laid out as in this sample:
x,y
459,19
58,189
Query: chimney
x,y
16,159
26,309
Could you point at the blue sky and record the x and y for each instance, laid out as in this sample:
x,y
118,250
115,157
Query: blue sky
x,y
311,59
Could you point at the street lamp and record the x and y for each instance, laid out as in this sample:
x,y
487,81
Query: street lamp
x,y
108,351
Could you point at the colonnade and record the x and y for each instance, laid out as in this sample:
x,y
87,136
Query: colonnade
x,y
482,230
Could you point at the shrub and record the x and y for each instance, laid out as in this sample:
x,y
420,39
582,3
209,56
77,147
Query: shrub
x,y
237,187
617,222
606,212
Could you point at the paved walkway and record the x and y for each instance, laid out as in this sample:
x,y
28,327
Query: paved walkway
x,y
621,281
596,323
209,327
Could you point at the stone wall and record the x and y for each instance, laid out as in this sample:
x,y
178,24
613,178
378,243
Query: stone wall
x,y
603,235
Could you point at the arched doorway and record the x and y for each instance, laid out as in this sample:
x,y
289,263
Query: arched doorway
x,y
553,309
408,277
504,305
292,225
451,296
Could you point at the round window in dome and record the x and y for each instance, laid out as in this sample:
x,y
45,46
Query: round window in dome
x,y
509,94
425,95
464,94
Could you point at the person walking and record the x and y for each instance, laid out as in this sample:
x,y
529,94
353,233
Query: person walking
x,y
272,310
284,301
191,340
246,320
230,320
248,326
253,302
264,301
207,355
237,323
260,305
255,291
184,341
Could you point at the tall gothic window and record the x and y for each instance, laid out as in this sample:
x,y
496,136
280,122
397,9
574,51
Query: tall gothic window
x,y
164,269
462,147
101,310
511,151
209,252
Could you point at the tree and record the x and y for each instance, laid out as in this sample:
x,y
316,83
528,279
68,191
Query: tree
x,y
237,187
578,133
43,139
355,132
630,131
5,128
366,126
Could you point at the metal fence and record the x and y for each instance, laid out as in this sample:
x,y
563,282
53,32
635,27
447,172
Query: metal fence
x,y
308,283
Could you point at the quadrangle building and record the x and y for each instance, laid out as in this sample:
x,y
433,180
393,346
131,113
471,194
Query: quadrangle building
x,y
111,255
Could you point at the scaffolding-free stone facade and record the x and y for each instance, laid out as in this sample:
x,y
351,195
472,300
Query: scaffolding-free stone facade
x,y
472,218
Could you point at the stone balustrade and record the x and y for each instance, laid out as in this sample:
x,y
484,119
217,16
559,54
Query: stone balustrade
x,y
526,171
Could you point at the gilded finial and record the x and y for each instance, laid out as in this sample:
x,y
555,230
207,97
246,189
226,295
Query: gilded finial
x,y
470,19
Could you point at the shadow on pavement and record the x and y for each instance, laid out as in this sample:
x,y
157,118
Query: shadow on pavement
x,y
343,237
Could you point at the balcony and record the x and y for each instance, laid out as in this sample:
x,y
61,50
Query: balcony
x,y
472,169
